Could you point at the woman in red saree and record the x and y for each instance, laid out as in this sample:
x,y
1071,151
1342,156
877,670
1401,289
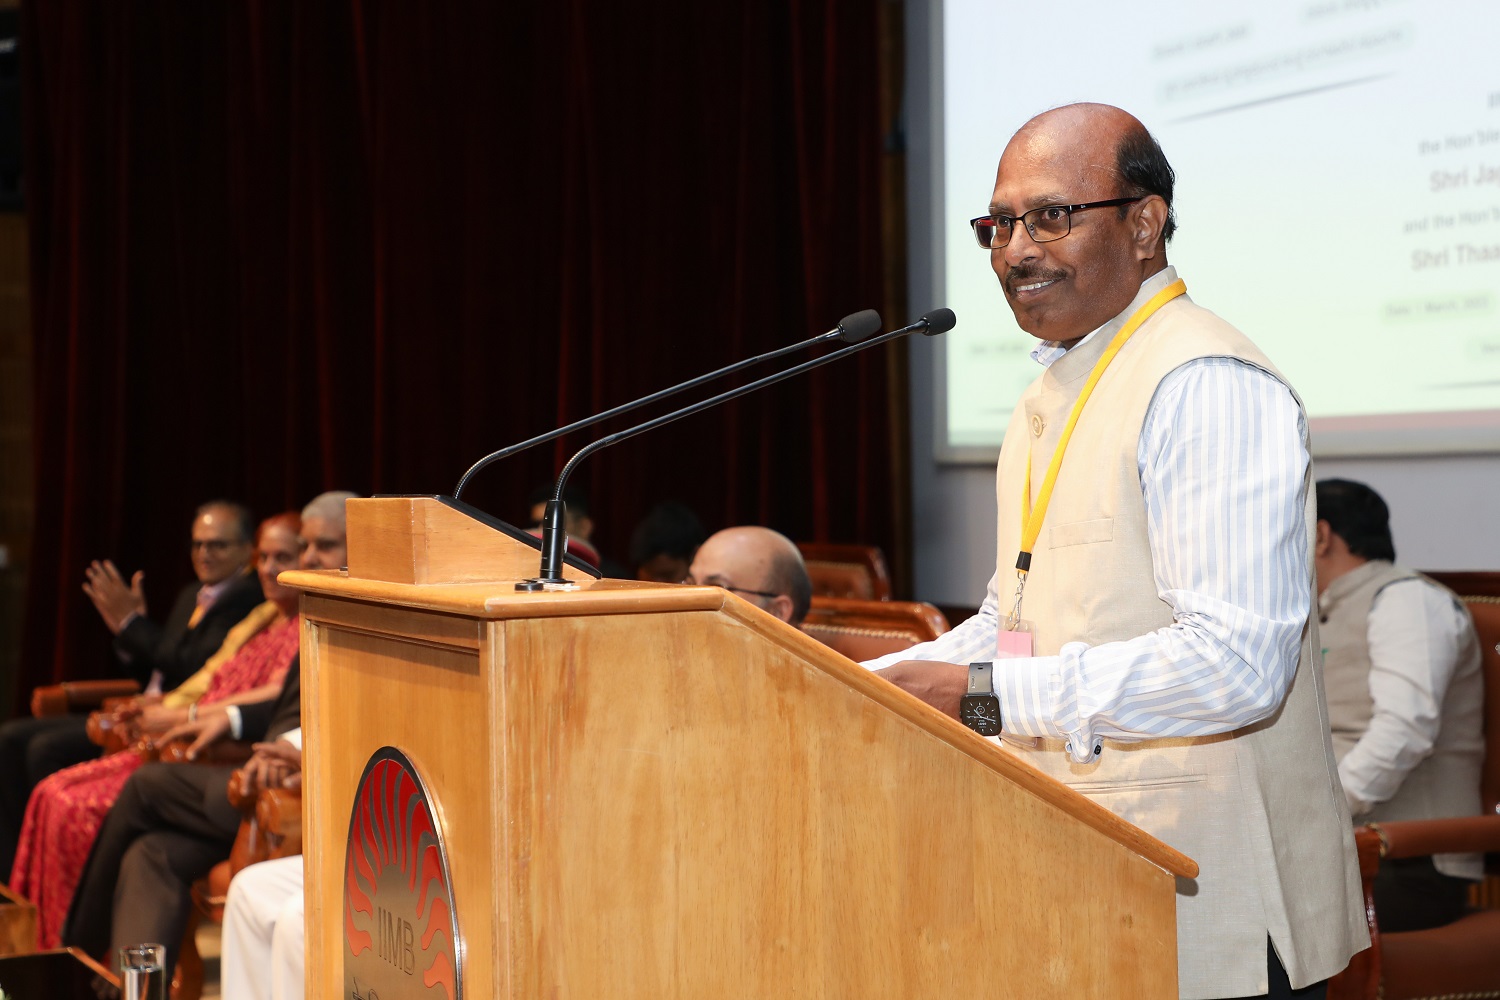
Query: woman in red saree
x,y
66,810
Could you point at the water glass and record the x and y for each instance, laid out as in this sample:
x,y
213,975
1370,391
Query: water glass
x,y
143,972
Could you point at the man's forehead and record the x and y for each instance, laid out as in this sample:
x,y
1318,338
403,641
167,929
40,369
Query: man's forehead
x,y
216,522
317,530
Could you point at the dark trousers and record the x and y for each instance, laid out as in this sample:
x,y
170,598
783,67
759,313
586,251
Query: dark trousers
x,y
1412,895
1281,986
170,825
30,750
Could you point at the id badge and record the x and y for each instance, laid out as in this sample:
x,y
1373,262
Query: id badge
x,y
1012,643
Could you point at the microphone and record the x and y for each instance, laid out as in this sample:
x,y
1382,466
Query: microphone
x,y
555,536
851,330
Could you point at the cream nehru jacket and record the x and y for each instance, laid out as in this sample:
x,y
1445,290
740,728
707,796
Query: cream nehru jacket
x,y
1260,808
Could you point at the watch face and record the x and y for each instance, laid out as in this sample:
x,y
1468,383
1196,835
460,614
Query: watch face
x,y
981,713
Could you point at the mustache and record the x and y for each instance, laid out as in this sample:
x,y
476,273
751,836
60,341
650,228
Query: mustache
x,y
1025,274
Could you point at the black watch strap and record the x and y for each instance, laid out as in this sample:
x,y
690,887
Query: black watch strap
x,y
982,678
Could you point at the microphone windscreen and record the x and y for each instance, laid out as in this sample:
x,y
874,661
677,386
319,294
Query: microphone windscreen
x,y
857,326
939,321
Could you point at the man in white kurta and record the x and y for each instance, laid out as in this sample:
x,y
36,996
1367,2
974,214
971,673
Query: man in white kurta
x,y
1173,674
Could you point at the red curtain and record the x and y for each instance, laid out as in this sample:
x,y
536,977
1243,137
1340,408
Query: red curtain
x,y
285,247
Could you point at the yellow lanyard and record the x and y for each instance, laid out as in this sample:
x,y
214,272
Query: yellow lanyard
x,y
1031,518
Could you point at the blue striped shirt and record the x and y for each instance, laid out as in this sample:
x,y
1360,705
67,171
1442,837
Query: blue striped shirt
x,y
1222,460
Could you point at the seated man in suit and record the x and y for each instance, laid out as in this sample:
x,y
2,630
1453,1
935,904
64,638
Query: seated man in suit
x,y
159,656
173,822
1405,699
264,932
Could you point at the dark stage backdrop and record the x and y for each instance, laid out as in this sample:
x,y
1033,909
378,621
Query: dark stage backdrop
x,y
285,247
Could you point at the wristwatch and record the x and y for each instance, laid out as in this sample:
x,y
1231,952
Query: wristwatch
x,y
980,709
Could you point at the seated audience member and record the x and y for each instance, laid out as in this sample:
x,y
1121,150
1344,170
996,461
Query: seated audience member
x,y
577,523
760,565
264,932
173,822
1405,695
158,656
67,808
663,544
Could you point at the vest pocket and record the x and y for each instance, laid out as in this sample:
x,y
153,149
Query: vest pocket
x,y
1081,532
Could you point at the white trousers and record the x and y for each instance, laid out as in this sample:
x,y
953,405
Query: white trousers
x,y
263,941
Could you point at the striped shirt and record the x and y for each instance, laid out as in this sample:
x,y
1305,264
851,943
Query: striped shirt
x,y
1222,460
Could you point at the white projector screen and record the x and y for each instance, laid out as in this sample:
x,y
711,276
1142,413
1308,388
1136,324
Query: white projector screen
x,y
1338,197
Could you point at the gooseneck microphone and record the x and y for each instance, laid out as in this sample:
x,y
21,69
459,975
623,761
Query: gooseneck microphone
x,y
555,536
851,330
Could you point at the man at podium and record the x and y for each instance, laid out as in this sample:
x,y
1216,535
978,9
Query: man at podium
x,y
1146,637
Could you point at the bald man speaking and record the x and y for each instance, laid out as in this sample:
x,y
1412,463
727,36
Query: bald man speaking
x,y
1147,635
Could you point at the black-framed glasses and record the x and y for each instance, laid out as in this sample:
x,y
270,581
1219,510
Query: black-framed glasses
x,y
1050,222
726,586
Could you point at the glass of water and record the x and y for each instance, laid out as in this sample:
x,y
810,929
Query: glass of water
x,y
143,972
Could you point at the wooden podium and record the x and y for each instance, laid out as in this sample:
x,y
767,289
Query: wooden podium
x,y
662,792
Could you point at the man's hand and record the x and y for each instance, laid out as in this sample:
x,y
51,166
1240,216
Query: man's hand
x,y
274,765
940,684
205,732
115,600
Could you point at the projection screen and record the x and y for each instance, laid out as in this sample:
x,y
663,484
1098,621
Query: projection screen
x,y
1338,197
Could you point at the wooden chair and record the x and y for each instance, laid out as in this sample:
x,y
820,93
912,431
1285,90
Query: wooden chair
x,y
864,629
1461,959
857,571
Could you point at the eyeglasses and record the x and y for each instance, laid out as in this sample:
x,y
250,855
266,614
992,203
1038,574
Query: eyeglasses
x,y
215,545
1050,222
738,590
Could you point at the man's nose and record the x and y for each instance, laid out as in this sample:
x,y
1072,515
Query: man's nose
x,y
1021,247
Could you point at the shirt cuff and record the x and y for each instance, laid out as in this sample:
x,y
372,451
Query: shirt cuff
x,y
1033,702
236,721
294,737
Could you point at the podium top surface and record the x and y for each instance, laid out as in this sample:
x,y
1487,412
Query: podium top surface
x,y
500,600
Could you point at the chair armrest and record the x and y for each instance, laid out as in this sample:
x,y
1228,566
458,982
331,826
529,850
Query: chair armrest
x,y
116,726
78,696
279,813
1417,838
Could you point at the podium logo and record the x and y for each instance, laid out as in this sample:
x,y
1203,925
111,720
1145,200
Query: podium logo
x,y
399,927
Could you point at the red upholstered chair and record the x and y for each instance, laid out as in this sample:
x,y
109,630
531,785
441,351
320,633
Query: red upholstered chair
x,y
1461,959
862,630
856,571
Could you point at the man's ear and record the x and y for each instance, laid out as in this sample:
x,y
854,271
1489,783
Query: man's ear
x,y
1323,540
781,607
1149,219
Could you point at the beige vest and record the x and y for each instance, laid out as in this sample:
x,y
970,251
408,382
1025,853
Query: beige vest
x,y
1260,809
1447,782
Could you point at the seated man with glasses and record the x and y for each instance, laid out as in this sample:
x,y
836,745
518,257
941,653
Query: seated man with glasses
x,y
159,656
760,565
